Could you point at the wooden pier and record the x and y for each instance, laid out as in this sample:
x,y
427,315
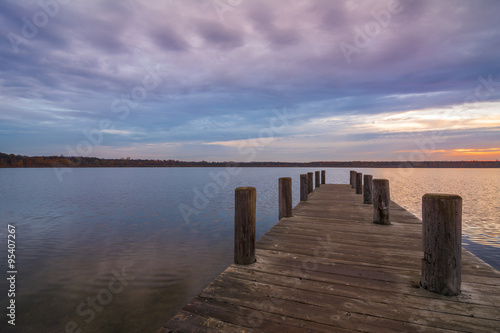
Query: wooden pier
x,y
329,268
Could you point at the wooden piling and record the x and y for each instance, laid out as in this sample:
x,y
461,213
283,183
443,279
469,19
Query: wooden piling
x,y
323,176
285,197
367,189
310,182
244,225
442,243
304,190
316,178
359,183
353,179
381,201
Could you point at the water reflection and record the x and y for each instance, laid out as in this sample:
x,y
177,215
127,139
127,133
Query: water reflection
x,y
478,188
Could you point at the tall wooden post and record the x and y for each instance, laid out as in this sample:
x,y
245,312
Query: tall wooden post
x,y
310,182
304,190
285,197
316,178
353,179
323,177
381,201
245,199
442,243
367,189
359,183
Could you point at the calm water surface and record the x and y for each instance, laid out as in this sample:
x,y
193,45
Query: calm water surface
x,y
122,249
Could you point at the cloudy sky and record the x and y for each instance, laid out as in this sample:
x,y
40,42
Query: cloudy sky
x,y
247,80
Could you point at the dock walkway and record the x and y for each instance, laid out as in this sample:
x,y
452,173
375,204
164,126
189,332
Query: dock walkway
x,y
330,269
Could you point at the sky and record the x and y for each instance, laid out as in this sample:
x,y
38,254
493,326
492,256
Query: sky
x,y
251,80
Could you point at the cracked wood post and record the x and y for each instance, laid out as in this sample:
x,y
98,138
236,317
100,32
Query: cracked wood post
x,y
442,243
304,190
285,197
316,178
352,179
244,225
381,201
367,189
310,182
359,183
323,178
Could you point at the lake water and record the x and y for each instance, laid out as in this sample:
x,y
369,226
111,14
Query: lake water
x,y
122,249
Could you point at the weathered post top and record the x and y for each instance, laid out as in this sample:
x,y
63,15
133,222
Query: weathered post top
x,y
323,176
316,178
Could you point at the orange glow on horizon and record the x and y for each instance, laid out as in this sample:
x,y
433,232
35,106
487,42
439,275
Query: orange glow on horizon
x,y
477,154
486,153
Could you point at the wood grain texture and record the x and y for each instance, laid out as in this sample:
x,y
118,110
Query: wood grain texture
x,y
352,178
359,183
381,200
442,243
245,200
310,182
330,269
304,187
285,197
367,189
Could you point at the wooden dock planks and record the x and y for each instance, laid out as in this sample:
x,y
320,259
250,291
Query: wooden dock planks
x,y
330,269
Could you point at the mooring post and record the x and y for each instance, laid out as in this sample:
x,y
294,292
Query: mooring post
x,y
304,190
245,199
381,201
353,179
285,197
323,178
359,183
310,181
316,179
367,189
442,243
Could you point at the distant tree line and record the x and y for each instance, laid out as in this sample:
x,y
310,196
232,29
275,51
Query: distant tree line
x,y
19,161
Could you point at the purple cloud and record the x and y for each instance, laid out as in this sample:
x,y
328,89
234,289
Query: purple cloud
x,y
62,69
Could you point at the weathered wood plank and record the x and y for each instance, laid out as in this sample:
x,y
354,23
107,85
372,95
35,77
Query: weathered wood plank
x,y
247,317
342,287
186,321
368,305
321,308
